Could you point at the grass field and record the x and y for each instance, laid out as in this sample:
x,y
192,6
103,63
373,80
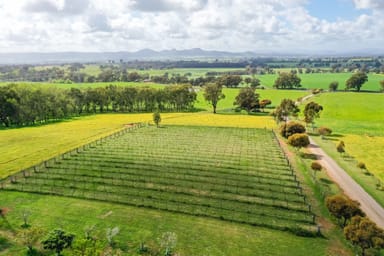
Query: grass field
x,y
322,80
195,235
352,113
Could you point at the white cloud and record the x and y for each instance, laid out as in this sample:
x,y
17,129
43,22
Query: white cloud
x,y
235,25
369,4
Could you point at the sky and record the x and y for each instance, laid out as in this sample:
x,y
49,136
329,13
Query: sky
x,y
290,26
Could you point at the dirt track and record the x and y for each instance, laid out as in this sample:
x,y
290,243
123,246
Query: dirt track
x,y
369,205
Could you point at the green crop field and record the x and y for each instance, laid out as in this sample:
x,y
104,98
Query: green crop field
x,y
352,113
322,80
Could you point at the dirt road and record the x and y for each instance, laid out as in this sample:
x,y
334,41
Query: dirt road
x,y
371,208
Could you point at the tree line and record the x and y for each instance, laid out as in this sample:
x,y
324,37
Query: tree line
x,y
22,105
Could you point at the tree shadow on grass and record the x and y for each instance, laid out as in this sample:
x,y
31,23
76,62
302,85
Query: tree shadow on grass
x,y
326,181
5,224
4,244
333,137
310,156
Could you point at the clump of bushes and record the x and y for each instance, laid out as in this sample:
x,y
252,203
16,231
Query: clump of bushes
x,y
316,167
298,140
361,165
324,131
290,128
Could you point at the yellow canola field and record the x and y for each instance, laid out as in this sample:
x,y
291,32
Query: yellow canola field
x,y
220,120
369,150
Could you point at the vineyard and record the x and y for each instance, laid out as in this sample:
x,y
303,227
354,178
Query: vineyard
x,y
233,174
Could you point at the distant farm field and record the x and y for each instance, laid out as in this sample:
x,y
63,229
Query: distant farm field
x,y
352,113
322,80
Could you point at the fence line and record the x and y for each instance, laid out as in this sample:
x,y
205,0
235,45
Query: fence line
x,y
294,174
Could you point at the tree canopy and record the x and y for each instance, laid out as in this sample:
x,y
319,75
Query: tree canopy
x,y
213,93
364,233
343,208
229,81
290,128
333,86
286,108
57,240
287,81
298,140
28,104
356,81
247,99
157,118
311,111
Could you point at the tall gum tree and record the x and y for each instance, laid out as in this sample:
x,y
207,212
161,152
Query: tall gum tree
x,y
213,93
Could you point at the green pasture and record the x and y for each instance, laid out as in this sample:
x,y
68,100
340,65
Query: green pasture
x,y
322,80
192,72
195,235
352,112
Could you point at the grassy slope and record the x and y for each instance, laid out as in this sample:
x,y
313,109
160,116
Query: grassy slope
x,y
196,236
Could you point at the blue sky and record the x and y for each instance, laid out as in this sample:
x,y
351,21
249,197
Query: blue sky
x,y
333,10
282,26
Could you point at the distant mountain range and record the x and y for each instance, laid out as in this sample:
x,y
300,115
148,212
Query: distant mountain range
x,y
148,54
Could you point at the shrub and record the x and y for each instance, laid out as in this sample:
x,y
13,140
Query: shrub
x,y
316,167
298,140
324,131
341,147
361,165
343,208
291,128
